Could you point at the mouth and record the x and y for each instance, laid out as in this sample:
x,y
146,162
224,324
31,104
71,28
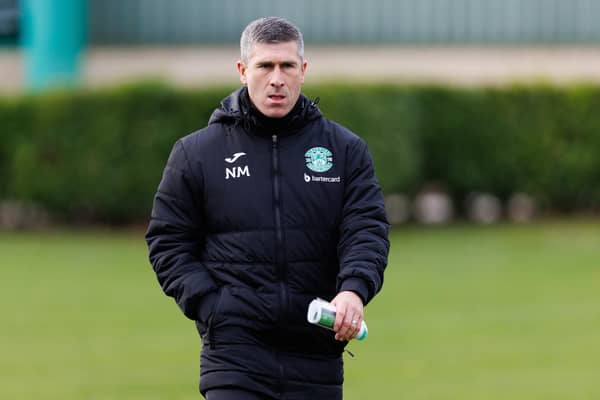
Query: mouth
x,y
276,98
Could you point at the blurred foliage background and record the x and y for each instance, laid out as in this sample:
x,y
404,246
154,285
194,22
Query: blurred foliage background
x,y
97,155
454,97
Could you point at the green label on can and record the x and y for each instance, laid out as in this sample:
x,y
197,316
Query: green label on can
x,y
327,318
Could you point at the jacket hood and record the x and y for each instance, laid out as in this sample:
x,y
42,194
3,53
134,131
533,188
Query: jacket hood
x,y
237,109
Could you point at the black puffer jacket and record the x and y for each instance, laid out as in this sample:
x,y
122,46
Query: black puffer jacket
x,y
252,220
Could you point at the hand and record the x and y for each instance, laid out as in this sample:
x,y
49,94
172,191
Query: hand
x,y
349,315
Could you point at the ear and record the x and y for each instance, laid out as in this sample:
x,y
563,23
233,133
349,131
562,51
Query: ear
x,y
304,65
241,67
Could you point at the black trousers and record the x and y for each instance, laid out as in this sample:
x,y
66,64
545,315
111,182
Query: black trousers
x,y
232,394
254,371
241,394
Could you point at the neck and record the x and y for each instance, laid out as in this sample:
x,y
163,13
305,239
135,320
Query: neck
x,y
272,125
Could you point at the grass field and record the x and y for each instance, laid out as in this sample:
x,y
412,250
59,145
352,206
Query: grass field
x,y
504,312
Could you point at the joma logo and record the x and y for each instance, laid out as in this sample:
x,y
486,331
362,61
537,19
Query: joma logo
x,y
237,172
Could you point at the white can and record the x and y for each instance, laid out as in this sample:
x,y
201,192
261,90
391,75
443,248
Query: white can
x,y
322,313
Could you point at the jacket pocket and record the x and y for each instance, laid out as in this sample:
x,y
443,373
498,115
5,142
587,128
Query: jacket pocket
x,y
212,320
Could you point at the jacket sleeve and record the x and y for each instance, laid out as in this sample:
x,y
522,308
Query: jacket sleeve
x,y
363,247
175,238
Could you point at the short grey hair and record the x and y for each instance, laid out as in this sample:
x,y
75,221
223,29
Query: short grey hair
x,y
270,30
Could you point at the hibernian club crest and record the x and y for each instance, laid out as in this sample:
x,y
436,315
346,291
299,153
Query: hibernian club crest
x,y
319,159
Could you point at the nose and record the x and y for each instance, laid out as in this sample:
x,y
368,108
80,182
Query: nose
x,y
277,80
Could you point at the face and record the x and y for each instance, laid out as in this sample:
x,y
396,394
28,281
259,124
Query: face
x,y
274,75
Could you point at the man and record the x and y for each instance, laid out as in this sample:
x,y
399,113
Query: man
x,y
267,208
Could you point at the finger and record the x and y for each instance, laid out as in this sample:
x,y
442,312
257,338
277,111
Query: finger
x,y
345,322
354,328
356,325
347,329
340,315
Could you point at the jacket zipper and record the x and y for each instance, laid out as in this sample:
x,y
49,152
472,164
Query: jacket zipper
x,y
279,245
211,321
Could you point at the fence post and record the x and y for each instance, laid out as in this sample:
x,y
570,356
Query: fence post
x,y
53,38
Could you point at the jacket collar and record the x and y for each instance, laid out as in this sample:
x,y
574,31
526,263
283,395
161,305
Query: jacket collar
x,y
237,109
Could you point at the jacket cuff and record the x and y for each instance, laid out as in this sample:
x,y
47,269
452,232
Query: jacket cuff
x,y
358,286
206,306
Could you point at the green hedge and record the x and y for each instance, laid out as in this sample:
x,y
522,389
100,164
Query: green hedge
x,y
98,155
541,140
